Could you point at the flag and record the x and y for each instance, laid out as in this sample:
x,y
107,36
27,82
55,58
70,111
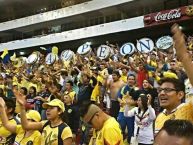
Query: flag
x,y
55,50
49,50
13,57
5,56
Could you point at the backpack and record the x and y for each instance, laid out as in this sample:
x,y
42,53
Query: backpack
x,y
60,129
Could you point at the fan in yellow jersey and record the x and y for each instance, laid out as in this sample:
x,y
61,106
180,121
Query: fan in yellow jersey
x,y
171,94
108,130
23,137
54,131
6,137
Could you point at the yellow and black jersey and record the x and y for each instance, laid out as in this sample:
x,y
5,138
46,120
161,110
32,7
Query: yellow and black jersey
x,y
54,135
33,139
6,137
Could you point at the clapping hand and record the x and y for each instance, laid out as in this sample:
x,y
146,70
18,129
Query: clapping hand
x,y
21,99
128,99
122,103
149,99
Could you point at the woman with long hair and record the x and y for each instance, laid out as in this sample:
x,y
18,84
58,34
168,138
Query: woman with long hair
x,y
30,98
144,117
54,130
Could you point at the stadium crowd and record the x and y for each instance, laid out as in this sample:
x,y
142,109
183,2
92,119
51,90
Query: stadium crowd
x,y
143,99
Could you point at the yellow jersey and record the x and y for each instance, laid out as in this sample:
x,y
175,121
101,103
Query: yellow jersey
x,y
6,137
33,139
55,135
96,91
110,134
183,111
124,78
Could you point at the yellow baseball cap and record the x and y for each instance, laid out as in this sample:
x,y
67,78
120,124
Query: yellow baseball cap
x,y
70,94
55,103
33,115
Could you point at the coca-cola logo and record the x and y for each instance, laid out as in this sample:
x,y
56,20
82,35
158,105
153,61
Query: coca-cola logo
x,y
173,14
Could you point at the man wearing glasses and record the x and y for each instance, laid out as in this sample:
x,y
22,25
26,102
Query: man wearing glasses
x,y
171,93
107,128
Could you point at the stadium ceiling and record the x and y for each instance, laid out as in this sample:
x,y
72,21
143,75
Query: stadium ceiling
x,y
12,9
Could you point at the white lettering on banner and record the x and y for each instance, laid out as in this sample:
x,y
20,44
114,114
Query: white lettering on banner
x,y
50,58
32,58
173,14
127,48
84,49
164,42
103,51
145,45
66,55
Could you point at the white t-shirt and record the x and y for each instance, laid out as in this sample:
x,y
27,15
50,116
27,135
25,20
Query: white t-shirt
x,y
145,123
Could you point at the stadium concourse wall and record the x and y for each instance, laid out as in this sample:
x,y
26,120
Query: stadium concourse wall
x,y
70,11
97,30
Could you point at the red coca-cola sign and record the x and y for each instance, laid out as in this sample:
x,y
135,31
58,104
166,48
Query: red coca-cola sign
x,y
173,14
166,16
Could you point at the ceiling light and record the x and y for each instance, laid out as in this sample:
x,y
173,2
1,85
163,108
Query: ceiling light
x,y
21,53
180,27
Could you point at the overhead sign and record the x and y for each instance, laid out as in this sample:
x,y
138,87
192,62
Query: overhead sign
x,y
103,51
164,42
127,48
67,55
84,49
145,45
50,58
173,15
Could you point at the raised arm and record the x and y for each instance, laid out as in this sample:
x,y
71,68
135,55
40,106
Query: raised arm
x,y
152,115
5,121
182,52
27,125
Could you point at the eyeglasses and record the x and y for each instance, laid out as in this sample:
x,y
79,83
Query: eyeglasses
x,y
166,90
90,121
